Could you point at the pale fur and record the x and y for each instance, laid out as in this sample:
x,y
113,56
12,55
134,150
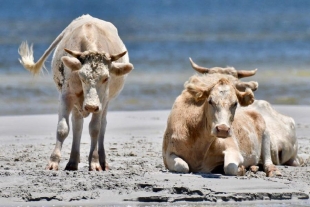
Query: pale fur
x,y
190,143
281,128
85,90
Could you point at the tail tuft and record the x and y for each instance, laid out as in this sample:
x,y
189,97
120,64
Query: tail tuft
x,y
27,60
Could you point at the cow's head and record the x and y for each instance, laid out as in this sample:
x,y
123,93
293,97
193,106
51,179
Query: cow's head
x,y
94,70
220,97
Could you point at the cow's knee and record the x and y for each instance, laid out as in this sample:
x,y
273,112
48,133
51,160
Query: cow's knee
x,y
181,166
62,129
177,164
231,169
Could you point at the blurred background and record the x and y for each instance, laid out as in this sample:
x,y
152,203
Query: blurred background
x,y
160,35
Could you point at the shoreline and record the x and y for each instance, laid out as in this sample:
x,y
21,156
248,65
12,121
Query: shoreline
x,y
137,176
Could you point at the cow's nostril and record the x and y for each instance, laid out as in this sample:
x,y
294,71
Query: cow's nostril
x,y
91,108
222,130
222,127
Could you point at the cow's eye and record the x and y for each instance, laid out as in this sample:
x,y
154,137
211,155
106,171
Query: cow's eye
x,y
210,101
105,79
234,105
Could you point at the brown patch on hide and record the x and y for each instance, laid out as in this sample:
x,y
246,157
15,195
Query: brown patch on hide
x,y
79,94
259,123
243,135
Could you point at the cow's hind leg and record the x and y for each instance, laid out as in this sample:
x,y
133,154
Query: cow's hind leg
x,y
269,168
77,127
62,131
295,161
176,164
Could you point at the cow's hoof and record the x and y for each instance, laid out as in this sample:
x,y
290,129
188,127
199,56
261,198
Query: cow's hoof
x,y
241,170
106,167
71,166
272,171
52,166
254,168
95,167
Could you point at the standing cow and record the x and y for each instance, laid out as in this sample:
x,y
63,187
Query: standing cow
x,y
90,65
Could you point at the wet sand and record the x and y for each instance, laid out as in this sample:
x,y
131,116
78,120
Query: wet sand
x,y
137,176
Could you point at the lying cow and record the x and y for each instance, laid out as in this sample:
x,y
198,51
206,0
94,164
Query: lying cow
x,y
206,129
89,65
281,128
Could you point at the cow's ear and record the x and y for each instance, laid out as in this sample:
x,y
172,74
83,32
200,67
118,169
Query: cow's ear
x,y
71,62
120,68
197,89
245,98
241,86
117,56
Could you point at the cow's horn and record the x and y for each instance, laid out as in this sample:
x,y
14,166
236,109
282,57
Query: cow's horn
x,y
76,54
246,73
198,68
118,56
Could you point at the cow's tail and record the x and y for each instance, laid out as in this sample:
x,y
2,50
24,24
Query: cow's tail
x,y
26,54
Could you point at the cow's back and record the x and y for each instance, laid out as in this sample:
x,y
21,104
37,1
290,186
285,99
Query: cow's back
x,y
88,33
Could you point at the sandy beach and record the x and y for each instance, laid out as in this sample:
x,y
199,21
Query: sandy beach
x,y
137,176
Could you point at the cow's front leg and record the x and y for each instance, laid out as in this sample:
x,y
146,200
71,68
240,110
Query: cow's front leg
x,y
77,127
65,107
232,162
94,130
176,164
101,151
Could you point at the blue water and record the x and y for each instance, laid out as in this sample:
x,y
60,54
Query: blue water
x,y
273,36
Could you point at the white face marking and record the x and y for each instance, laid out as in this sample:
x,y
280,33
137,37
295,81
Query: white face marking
x,y
222,103
95,86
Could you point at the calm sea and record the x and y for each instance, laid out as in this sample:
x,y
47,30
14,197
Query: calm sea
x,y
273,36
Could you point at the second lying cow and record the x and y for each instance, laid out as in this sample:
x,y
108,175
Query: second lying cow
x,y
206,129
281,128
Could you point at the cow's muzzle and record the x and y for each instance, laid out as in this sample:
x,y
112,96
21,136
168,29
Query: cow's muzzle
x,y
91,108
222,131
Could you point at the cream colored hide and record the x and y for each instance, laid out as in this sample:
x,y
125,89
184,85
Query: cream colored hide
x,y
89,66
282,133
206,129
281,128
